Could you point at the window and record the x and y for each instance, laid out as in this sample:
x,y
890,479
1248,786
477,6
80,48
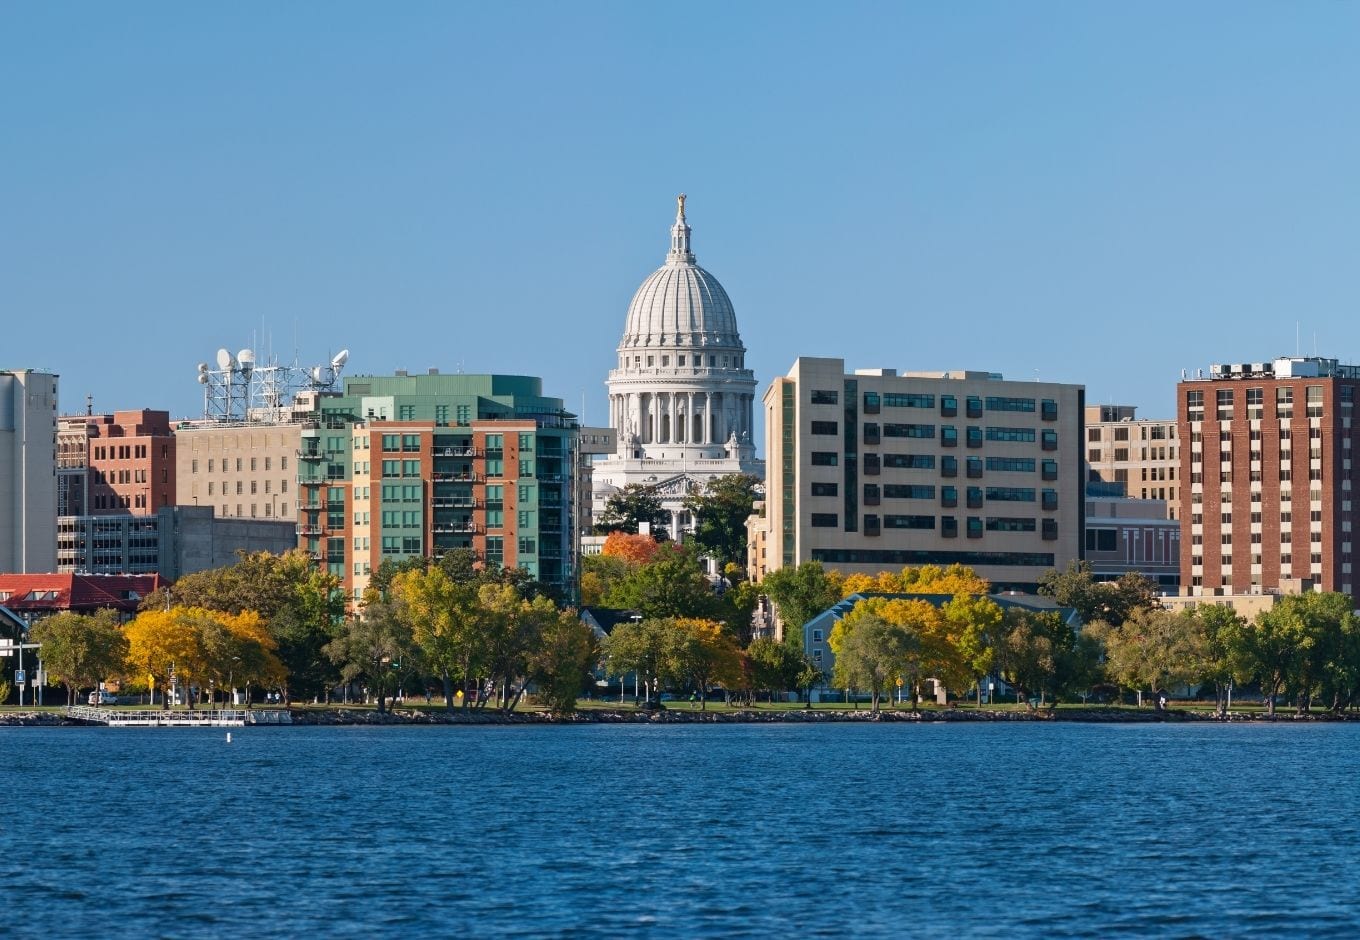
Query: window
x,y
1013,464
908,522
1101,540
1314,401
825,489
1194,405
1024,435
1256,403
908,400
1049,440
975,468
826,427
949,436
1022,494
1010,524
908,491
996,403
973,406
911,461
909,430
1225,404
949,406
949,496
871,403
825,396
823,458
949,466
825,520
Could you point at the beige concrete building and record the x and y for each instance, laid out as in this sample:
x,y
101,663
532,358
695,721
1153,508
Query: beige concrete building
x,y
1139,453
872,471
246,471
28,480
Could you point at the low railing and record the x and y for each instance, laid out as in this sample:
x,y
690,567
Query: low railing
x,y
166,718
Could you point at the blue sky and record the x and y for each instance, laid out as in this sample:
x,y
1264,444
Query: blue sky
x,y
1087,192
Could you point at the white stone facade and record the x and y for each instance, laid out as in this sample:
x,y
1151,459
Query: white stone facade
x,y
680,396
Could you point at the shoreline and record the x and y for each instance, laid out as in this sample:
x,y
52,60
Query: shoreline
x,y
407,717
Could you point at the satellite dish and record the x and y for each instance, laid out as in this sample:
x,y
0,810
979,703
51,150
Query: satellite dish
x,y
223,359
340,359
203,378
316,374
202,367
246,357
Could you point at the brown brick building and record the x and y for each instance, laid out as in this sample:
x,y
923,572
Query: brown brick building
x,y
1268,476
131,462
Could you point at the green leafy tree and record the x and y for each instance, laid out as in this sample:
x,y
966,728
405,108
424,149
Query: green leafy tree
x,y
700,653
1111,602
1155,649
873,653
445,620
1219,626
376,649
775,666
800,593
720,509
634,504
1041,656
80,650
973,621
561,662
672,587
638,647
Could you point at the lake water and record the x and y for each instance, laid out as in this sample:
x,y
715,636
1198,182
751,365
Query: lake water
x,y
622,830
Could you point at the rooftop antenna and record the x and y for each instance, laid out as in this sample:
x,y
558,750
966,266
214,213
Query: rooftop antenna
x,y
89,405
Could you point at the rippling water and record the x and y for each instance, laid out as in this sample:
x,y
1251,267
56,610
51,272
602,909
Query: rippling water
x,y
920,830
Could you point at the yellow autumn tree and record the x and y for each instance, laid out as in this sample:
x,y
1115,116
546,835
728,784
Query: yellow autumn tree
x,y
927,579
162,641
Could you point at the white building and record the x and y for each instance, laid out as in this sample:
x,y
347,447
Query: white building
x,y
28,471
680,397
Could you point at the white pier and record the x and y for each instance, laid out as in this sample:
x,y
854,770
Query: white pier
x,y
163,718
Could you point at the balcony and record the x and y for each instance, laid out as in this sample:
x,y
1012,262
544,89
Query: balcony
x,y
457,477
455,502
445,528
310,455
308,530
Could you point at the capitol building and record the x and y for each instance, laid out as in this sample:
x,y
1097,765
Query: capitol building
x,y
680,396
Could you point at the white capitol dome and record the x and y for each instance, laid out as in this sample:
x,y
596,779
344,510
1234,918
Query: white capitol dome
x,y
680,304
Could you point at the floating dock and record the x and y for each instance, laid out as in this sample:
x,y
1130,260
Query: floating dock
x,y
164,718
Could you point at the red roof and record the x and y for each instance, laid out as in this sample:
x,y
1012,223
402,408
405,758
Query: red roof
x,y
83,593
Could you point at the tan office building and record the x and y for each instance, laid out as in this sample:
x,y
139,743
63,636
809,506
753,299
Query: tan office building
x,y
246,471
872,471
1141,454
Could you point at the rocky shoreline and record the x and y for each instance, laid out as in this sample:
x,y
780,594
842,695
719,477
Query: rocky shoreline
x,y
409,716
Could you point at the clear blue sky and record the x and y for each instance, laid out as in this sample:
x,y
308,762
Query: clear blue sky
x,y
1089,192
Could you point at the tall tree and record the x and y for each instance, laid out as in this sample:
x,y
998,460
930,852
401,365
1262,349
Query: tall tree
x,y
800,593
1039,653
673,587
375,648
701,653
1112,602
973,622
640,648
1155,649
444,619
80,650
720,509
872,652
561,662
634,504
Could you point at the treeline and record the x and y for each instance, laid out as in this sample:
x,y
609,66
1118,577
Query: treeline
x,y
1306,648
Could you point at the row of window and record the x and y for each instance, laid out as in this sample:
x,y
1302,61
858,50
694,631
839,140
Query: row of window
x,y
1154,432
975,526
885,558
125,451
254,487
240,464
949,465
1255,402
949,404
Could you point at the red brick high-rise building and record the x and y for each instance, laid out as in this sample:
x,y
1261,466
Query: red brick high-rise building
x,y
1268,476
131,463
